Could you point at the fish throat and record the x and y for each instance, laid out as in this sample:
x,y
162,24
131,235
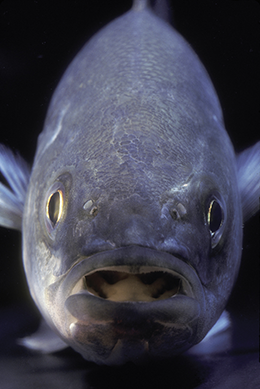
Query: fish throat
x,y
123,285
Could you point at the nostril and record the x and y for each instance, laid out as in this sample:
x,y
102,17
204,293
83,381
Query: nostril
x,y
94,211
90,207
178,211
174,214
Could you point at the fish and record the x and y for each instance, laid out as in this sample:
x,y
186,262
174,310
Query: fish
x,y
132,213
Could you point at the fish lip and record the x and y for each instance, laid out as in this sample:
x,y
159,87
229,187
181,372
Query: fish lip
x,y
88,320
135,260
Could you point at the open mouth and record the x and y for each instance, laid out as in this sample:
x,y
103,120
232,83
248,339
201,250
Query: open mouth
x,y
120,284
129,293
129,299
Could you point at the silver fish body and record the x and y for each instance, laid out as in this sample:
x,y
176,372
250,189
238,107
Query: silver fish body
x,y
132,224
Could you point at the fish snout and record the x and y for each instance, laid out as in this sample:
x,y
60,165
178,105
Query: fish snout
x,y
134,230
130,222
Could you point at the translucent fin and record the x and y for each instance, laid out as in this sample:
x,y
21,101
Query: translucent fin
x,y
217,340
161,8
139,5
17,174
43,340
248,168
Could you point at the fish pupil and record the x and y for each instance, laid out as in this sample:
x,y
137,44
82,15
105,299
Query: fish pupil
x,y
54,207
215,216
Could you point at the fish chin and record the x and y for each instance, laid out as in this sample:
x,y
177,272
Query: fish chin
x,y
129,304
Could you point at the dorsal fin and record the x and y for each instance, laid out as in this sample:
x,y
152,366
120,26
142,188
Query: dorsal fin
x,y
161,8
139,5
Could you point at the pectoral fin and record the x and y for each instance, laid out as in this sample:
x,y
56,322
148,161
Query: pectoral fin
x,y
16,172
217,340
248,170
43,340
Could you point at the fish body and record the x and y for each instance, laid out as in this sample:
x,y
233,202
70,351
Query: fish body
x,y
132,221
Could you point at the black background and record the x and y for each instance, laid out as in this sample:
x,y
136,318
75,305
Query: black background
x,y
39,38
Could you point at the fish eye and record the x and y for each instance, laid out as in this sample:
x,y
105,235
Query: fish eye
x,y
215,220
215,216
54,206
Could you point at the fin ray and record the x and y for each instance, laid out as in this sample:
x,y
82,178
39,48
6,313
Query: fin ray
x,y
217,340
44,340
248,168
17,174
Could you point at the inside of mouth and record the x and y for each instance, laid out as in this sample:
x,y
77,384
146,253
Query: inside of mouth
x,y
122,286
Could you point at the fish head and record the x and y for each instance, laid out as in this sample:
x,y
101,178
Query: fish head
x,y
128,261
132,226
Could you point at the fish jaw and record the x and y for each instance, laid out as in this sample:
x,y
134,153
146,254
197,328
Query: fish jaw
x,y
128,304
